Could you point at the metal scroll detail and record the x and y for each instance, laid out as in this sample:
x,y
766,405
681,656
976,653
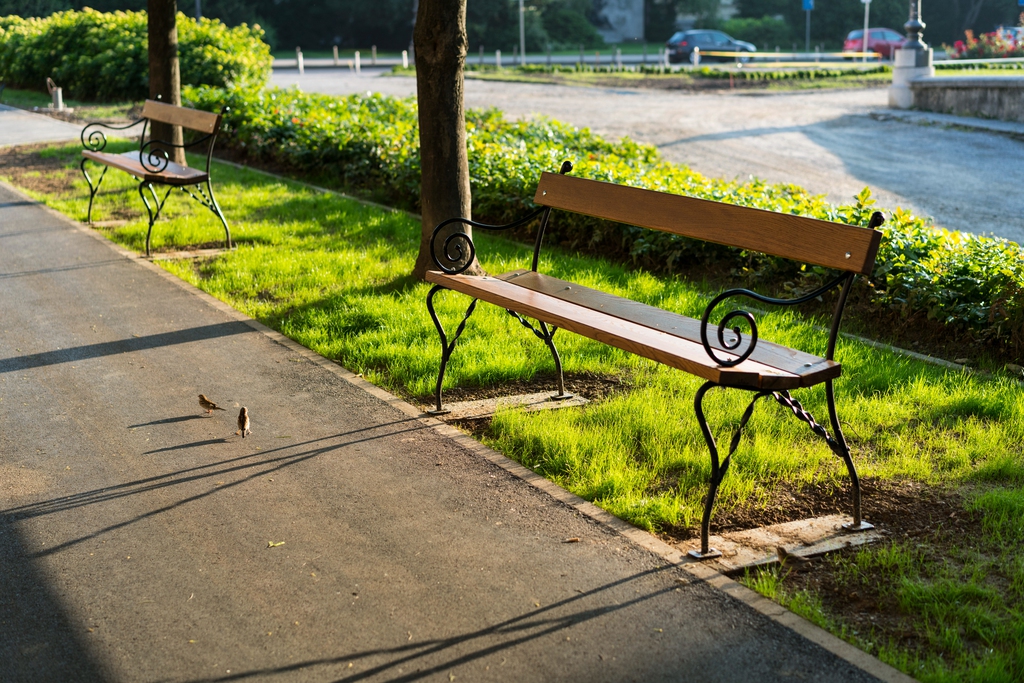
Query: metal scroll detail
x,y
95,140
458,248
733,343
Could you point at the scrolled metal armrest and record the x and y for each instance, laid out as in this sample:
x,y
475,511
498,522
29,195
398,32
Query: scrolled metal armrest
x,y
95,140
723,325
457,243
158,158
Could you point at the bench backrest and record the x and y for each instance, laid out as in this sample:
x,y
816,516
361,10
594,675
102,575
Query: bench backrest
x,y
808,240
193,119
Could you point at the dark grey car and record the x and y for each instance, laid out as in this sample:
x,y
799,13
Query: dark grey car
x,y
680,45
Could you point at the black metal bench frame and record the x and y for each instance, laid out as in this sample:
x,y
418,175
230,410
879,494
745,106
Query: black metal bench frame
x,y
154,163
456,253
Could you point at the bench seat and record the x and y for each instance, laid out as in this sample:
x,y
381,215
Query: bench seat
x,y
647,331
129,162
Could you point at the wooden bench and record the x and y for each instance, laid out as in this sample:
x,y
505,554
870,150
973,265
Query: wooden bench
x,y
151,165
725,358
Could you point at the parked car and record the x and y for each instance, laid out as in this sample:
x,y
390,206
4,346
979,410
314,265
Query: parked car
x,y
680,45
880,40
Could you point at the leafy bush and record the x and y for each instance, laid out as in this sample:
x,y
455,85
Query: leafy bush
x,y
766,32
371,143
104,56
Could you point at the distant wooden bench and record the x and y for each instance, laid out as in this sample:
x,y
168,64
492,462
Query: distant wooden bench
x,y
723,359
151,165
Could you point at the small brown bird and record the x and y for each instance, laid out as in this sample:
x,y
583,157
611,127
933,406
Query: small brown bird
x,y
243,422
786,556
208,405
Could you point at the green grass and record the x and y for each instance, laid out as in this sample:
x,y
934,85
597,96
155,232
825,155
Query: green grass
x,y
333,274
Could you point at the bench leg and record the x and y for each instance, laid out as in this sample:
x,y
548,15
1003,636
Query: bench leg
x,y
718,469
547,335
149,209
446,346
836,442
92,189
215,207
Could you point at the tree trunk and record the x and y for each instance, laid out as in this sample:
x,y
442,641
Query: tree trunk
x,y
164,73
440,41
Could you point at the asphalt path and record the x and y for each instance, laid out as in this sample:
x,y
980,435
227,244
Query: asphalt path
x,y
826,141
345,539
18,127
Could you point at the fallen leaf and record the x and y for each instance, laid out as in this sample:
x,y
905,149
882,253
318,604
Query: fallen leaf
x,y
271,544
574,539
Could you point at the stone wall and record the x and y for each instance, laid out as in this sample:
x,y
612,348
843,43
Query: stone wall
x,y
1000,97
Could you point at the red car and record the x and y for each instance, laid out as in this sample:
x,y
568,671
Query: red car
x,y
880,40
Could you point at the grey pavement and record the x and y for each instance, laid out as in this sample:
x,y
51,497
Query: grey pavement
x,y
19,127
826,141
345,539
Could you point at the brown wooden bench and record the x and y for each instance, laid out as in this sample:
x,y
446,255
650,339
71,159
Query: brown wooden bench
x,y
151,165
725,358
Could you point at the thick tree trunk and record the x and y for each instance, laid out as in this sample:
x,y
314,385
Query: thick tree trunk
x,y
440,41
164,74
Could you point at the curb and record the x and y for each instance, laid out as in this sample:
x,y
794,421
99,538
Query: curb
x,y
673,556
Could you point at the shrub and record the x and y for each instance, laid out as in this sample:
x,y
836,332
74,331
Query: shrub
x,y
766,32
103,56
371,143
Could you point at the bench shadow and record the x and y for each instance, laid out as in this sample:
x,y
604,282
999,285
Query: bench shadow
x,y
508,634
250,466
153,341
38,640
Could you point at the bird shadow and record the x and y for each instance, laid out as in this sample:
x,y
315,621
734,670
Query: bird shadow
x,y
168,420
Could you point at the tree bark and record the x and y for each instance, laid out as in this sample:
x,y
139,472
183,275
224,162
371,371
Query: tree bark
x,y
440,41
164,73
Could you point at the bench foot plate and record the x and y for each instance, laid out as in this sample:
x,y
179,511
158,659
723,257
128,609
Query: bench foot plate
x,y
443,411
709,555
860,526
564,396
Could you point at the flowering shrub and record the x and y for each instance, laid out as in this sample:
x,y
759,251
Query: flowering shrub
x,y
104,56
999,44
371,143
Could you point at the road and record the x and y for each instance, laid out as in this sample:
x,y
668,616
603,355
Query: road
x,y
825,141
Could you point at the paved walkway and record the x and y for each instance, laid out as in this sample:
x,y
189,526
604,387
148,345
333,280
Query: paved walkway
x,y
346,539
19,127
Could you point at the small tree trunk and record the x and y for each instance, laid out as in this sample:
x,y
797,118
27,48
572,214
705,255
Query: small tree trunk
x,y
164,73
441,43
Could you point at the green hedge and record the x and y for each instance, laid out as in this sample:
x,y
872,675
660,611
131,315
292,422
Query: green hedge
x,y
103,56
371,143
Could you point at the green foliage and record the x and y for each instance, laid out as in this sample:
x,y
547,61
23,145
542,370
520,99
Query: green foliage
x,y
766,32
104,56
371,143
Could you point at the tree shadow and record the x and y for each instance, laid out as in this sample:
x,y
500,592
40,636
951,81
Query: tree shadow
x,y
38,641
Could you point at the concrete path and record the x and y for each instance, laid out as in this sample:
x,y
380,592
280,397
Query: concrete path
x,y
345,539
826,141
20,127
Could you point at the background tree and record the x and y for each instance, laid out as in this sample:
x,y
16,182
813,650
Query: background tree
x,y
440,39
164,72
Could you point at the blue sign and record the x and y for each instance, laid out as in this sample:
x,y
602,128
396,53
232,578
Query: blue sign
x,y
809,4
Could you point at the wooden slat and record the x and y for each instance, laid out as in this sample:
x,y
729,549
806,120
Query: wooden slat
x,y
807,240
193,119
129,163
623,334
811,369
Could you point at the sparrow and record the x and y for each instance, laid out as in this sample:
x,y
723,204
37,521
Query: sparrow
x,y
786,556
208,405
243,422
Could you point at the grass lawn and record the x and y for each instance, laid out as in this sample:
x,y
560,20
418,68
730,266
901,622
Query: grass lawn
x,y
333,274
